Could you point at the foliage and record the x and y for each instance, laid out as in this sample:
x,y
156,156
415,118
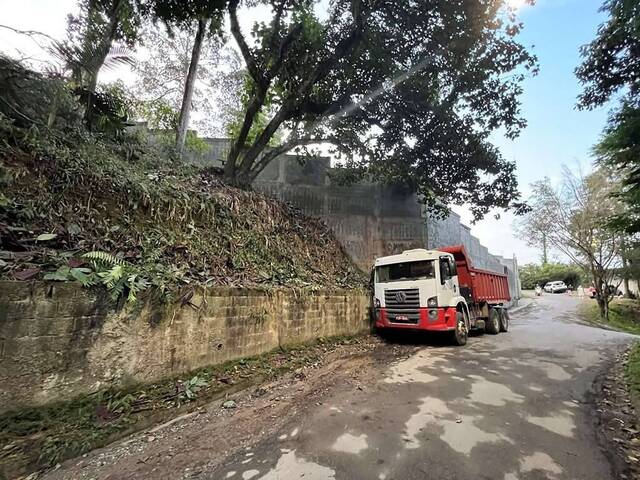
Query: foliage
x,y
119,277
407,92
189,389
632,373
624,315
612,61
611,66
619,149
160,79
29,99
159,115
574,221
91,35
235,116
176,226
111,108
532,274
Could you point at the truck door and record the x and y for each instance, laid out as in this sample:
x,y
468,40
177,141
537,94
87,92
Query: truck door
x,y
448,281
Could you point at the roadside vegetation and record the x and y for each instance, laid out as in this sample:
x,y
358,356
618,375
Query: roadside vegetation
x,y
632,375
108,207
624,314
533,274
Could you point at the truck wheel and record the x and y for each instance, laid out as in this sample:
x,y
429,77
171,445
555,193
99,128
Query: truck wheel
x,y
493,323
504,320
461,333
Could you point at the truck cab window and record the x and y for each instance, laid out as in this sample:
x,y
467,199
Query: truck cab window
x,y
445,269
422,269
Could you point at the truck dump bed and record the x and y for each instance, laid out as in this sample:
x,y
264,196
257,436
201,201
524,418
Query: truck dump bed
x,y
479,286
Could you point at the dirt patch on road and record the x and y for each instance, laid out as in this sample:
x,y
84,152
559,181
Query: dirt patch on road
x,y
617,421
197,442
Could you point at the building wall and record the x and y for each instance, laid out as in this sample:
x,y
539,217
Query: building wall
x,y
58,340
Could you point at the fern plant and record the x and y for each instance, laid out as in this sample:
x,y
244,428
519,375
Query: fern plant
x,y
118,276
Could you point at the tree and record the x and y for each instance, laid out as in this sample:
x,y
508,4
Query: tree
x,y
574,220
405,91
612,61
619,149
207,15
612,65
532,274
91,38
161,77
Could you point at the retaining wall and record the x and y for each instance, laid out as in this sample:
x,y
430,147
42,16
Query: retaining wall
x,y
58,340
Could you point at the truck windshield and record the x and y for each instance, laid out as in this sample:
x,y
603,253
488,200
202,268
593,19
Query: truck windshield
x,y
406,271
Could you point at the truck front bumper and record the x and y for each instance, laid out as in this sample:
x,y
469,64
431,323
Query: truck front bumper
x,y
433,319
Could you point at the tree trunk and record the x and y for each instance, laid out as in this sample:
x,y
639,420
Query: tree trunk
x,y
189,86
99,56
625,268
604,308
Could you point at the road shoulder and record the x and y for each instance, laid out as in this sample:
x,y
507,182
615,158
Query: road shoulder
x,y
617,421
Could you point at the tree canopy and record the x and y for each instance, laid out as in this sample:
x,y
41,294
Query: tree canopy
x,y
406,91
612,66
612,61
619,148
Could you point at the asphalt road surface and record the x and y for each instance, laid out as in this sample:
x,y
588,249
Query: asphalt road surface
x,y
511,406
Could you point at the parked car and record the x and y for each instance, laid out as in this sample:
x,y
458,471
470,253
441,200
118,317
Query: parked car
x,y
555,287
590,292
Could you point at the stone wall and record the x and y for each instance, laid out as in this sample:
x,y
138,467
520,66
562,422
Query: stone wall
x,y
59,340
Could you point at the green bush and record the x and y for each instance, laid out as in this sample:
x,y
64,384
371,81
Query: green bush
x,y
532,274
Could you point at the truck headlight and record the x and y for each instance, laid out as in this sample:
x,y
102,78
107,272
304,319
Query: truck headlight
x,y
432,302
376,303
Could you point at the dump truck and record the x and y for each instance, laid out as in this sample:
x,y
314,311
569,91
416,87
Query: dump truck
x,y
440,291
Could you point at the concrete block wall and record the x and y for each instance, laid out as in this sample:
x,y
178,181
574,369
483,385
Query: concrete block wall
x,y
58,340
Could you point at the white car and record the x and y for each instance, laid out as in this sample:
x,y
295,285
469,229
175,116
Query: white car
x,y
555,287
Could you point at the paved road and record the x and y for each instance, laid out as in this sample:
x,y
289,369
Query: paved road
x,y
512,406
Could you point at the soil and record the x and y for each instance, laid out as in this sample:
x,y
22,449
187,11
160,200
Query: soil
x,y
618,421
229,425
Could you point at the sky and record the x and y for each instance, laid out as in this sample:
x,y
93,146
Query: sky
x,y
557,133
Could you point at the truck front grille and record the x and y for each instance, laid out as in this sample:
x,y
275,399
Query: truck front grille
x,y
403,305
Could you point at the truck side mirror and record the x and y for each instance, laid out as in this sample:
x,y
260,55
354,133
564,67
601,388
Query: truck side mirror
x,y
372,278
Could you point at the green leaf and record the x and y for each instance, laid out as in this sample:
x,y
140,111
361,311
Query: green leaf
x,y
60,275
83,275
46,236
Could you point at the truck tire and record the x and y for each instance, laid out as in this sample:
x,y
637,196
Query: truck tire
x,y
493,323
504,320
461,333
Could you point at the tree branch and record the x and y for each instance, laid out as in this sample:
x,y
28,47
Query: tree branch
x,y
252,65
284,148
